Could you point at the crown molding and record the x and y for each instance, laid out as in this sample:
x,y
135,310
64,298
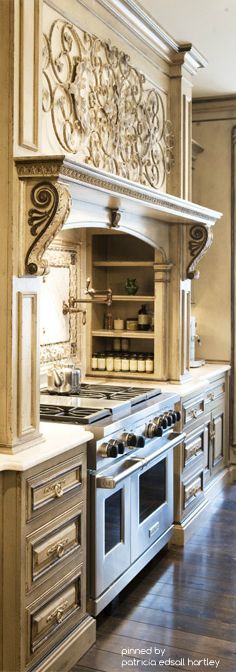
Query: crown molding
x,y
215,107
144,26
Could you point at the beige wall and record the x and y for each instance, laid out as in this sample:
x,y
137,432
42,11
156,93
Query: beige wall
x,y
212,186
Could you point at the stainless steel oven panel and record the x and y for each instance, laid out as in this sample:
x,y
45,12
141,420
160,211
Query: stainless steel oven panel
x,y
110,556
151,502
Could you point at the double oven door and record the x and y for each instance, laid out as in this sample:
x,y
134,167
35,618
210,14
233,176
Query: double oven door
x,y
131,506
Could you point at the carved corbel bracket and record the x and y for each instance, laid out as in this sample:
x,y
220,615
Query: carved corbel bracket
x,y
199,240
44,207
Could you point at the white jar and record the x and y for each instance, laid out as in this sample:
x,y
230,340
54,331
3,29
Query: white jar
x,y
94,362
117,363
141,364
149,364
133,363
118,324
109,362
125,363
101,361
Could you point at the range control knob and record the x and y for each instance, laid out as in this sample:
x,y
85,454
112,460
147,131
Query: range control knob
x,y
129,439
169,419
174,416
120,446
133,441
154,429
178,414
140,441
109,449
163,422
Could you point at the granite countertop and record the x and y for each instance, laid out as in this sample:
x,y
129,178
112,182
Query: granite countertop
x,y
57,438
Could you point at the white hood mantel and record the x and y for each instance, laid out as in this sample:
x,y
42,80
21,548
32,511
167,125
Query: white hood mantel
x,y
60,192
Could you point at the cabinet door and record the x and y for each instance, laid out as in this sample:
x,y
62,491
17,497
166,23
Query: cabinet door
x,y
217,435
207,447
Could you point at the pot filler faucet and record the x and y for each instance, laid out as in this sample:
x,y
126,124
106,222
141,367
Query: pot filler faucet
x,y
99,295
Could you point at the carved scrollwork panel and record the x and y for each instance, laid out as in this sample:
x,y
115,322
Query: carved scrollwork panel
x,y
200,239
50,208
101,108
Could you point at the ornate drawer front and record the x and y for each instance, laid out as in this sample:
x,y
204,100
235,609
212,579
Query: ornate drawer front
x,y
193,410
48,548
50,621
55,486
215,392
193,490
193,446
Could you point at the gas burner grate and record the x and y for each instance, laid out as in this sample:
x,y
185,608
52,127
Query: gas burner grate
x,y
54,411
80,416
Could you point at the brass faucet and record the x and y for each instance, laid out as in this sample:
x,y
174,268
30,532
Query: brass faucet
x,y
97,295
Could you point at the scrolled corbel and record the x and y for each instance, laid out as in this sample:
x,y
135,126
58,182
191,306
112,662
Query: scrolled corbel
x,y
50,205
200,238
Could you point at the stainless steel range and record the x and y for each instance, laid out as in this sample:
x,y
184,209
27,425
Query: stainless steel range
x,y
130,478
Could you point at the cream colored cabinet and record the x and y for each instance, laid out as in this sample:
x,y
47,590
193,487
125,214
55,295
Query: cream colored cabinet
x,y
214,449
44,569
202,456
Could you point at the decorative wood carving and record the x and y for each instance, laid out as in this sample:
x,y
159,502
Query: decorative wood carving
x,y
51,208
200,239
102,109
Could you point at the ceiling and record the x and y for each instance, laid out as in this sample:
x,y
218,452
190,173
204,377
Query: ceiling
x,y
211,27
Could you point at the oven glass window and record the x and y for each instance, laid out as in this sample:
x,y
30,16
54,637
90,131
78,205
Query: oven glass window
x,y
113,517
152,490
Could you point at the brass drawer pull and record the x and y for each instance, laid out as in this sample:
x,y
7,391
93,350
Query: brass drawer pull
x,y
58,549
57,614
58,489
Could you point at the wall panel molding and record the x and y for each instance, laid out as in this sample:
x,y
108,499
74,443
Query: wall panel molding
x,y
29,74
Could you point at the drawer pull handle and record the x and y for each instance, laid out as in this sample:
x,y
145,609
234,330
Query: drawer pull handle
x,y
57,614
58,549
212,396
194,413
58,489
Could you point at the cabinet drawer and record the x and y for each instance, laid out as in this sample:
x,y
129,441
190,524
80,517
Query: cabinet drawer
x,y
193,446
50,547
193,491
215,392
49,621
193,409
55,486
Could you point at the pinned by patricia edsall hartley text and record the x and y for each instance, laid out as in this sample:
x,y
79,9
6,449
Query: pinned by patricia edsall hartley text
x,y
154,656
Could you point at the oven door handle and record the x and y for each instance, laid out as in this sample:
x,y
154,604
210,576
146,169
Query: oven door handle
x,y
110,482
173,440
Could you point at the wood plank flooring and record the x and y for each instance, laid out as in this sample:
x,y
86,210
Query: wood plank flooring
x,y
180,612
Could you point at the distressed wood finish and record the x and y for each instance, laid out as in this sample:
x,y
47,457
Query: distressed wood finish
x,y
45,561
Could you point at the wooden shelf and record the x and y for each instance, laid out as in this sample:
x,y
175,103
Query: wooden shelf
x,y
133,297
111,333
121,374
117,264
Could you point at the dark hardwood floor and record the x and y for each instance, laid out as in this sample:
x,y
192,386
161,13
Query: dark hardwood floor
x,y
180,612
